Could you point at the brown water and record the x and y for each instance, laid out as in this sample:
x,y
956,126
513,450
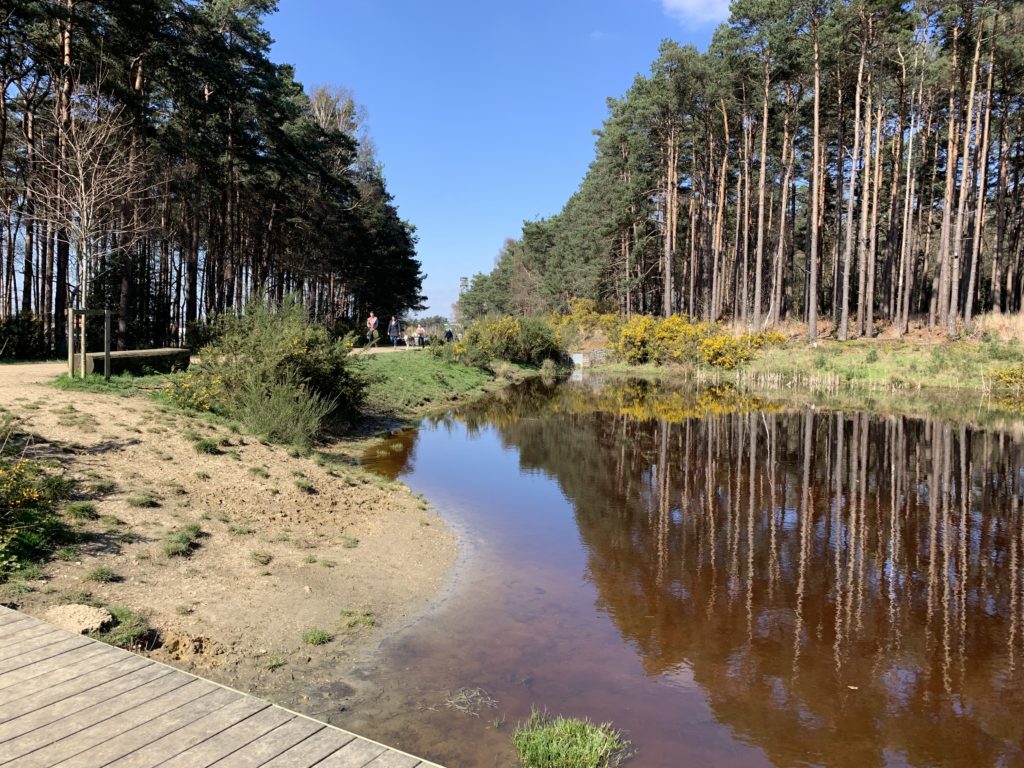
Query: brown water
x,y
731,584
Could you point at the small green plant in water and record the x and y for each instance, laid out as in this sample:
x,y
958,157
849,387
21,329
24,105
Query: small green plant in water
x,y
546,742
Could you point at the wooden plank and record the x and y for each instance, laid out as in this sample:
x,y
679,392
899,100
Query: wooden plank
x,y
355,754
271,744
312,750
108,730
10,621
27,633
69,689
392,759
146,733
97,713
173,744
15,647
70,642
37,717
231,740
69,700
19,682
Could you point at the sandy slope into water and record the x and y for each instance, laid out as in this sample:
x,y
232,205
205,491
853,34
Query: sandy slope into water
x,y
351,550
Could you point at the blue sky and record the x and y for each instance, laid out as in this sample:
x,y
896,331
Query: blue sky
x,y
482,112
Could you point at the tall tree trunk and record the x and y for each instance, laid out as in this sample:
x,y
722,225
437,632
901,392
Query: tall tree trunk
x,y
811,299
979,213
762,162
844,311
964,192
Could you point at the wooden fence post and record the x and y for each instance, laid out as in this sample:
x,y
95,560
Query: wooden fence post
x,y
106,344
71,342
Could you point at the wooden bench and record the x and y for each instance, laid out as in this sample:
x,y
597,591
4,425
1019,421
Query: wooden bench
x,y
137,361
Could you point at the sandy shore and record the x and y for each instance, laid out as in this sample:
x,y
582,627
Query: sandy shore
x,y
289,543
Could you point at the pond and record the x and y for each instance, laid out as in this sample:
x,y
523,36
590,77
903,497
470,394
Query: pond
x,y
729,582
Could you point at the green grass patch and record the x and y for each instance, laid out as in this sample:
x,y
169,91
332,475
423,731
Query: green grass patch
x,y
129,630
407,383
317,637
103,575
143,500
81,510
207,447
124,384
358,619
957,365
181,542
546,742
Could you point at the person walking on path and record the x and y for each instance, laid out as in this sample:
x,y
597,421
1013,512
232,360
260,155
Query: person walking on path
x,y
421,335
371,329
394,331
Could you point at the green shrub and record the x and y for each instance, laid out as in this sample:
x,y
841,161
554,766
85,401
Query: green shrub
x,y
636,339
545,742
726,351
283,412
29,525
677,340
23,338
274,370
528,340
207,446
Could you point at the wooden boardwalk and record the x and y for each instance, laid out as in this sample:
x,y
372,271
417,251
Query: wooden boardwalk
x,y
71,701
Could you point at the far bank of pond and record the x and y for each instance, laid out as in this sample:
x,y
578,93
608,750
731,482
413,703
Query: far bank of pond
x,y
731,580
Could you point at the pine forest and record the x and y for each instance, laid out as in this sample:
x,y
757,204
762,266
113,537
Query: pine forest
x,y
156,162
850,165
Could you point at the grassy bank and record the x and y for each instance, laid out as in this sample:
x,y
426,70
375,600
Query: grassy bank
x,y
954,365
947,379
410,383
960,366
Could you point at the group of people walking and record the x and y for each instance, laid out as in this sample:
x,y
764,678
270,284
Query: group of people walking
x,y
395,332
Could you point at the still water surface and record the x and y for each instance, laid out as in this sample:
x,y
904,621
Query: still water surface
x,y
730,583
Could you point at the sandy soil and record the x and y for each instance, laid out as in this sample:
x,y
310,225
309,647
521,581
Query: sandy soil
x,y
357,557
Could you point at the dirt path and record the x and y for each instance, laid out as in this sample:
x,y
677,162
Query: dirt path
x,y
289,543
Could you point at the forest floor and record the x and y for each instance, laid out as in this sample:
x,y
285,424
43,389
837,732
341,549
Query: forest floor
x,y
289,543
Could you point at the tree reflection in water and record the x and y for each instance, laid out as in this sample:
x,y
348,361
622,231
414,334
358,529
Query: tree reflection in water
x,y
837,582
